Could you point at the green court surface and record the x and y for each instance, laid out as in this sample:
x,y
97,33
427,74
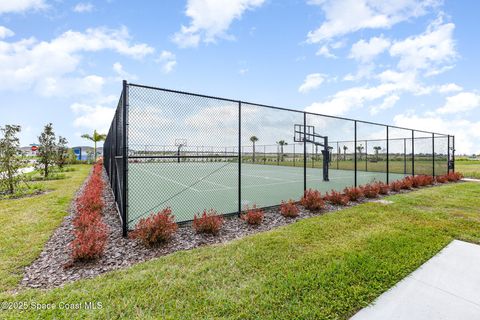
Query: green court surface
x,y
190,187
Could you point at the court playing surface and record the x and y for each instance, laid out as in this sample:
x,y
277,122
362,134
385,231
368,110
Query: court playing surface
x,y
190,187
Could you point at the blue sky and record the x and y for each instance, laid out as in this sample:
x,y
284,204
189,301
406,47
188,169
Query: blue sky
x,y
404,62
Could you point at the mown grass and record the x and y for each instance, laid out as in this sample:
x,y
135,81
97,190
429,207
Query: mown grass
x,y
27,223
326,267
469,168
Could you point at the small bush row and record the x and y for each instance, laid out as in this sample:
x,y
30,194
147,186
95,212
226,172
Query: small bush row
x,y
90,232
160,227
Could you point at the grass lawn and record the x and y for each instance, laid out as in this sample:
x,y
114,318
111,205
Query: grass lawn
x,y
469,168
326,267
27,223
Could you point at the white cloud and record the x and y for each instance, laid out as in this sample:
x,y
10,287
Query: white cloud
x,y
83,7
168,61
449,87
5,32
92,117
210,19
364,71
467,133
122,74
89,85
462,102
346,16
325,52
28,62
311,82
343,101
365,51
387,103
17,6
243,71
428,50
393,83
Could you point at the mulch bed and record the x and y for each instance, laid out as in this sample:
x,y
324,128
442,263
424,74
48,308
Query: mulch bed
x,y
54,268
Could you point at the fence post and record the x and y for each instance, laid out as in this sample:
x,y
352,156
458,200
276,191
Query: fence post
x,y
304,152
448,154
388,158
355,153
294,154
239,157
125,160
404,156
453,154
366,155
433,155
338,151
413,152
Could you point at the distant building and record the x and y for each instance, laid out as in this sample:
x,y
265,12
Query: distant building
x,y
31,150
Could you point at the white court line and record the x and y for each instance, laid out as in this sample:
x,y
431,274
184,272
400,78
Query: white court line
x,y
218,184
168,179
263,177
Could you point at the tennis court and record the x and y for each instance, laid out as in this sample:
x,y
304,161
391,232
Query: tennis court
x,y
190,187
168,148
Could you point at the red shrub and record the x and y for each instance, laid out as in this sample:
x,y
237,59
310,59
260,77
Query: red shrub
x,y
289,209
336,198
90,233
371,190
407,183
396,185
353,194
91,199
383,188
84,220
253,216
90,242
209,222
312,200
441,179
156,228
454,176
423,180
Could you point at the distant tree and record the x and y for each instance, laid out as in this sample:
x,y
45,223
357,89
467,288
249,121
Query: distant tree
x,y
253,139
46,149
377,149
281,143
10,158
96,137
61,155
360,149
345,148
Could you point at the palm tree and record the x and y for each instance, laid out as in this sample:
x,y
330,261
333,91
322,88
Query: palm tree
x,y
360,148
97,137
377,149
281,143
345,153
253,139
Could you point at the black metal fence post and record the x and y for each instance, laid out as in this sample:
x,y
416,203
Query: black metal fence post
x,y
433,155
453,154
404,156
304,152
366,155
239,157
388,158
413,152
355,153
125,160
448,154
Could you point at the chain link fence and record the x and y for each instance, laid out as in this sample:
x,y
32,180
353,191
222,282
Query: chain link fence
x,y
193,152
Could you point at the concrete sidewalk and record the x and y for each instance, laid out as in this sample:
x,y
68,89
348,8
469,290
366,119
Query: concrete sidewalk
x,y
446,287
